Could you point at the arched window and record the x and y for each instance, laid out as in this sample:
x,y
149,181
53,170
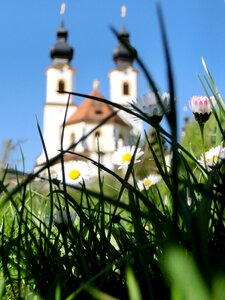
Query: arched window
x,y
98,111
97,140
120,141
126,88
98,108
61,86
72,138
97,134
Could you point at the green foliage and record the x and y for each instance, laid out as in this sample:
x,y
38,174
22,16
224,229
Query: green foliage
x,y
132,285
191,139
191,286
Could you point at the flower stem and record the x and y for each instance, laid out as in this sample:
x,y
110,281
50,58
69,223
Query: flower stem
x,y
201,125
162,152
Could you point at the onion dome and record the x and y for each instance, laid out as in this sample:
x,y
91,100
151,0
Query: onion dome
x,y
123,56
61,52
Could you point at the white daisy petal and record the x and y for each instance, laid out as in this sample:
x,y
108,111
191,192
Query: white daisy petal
x,y
123,156
213,156
62,217
150,105
200,105
76,172
147,182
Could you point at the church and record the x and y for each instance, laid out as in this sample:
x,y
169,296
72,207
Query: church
x,y
121,129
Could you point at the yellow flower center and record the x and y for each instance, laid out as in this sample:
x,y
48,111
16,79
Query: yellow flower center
x,y
147,182
74,174
213,159
126,157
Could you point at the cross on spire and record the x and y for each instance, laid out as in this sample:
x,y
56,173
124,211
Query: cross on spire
x,y
95,84
123,15
62,12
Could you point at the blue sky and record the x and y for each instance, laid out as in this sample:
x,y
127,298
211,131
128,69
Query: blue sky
x,y
195,28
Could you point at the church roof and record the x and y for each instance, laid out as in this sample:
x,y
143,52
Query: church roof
x,y
92,111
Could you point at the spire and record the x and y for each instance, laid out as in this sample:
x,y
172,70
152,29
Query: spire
x,y
121,55
62,13
95,84
61,52
123,16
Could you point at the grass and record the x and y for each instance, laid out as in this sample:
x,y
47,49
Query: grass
x,y
167,242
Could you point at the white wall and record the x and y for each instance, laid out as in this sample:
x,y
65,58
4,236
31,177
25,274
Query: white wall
x,y
54,74
116,79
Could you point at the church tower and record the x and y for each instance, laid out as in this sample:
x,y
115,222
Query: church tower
x,y
60,77
123,79
122,129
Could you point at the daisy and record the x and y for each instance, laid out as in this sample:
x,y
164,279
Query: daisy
x,y
201,108
123,156
62,217
76,172
213,156
150,105
148,181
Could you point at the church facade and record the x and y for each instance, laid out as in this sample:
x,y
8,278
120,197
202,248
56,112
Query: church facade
x,y
121,129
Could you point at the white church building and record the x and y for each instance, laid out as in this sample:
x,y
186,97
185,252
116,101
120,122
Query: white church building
x,y
121,129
